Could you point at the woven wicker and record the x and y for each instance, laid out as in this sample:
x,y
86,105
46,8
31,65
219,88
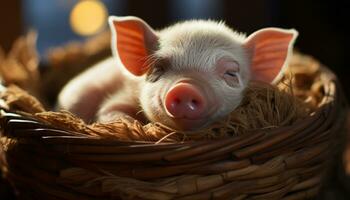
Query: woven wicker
x,y
43,161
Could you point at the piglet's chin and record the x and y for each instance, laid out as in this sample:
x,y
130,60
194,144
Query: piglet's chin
x,y
185,124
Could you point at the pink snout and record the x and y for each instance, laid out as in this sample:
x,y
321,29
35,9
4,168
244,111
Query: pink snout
x,y
184,100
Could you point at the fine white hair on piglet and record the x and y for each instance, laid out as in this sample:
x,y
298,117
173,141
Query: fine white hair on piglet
x,y
192,43
185,76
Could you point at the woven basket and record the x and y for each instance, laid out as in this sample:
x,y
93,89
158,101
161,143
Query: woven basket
x,y
43,161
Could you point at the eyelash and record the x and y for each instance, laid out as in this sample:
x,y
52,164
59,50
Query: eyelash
x,y
232,80
155,74
230,73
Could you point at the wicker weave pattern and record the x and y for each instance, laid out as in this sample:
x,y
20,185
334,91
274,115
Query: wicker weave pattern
x,y
288,162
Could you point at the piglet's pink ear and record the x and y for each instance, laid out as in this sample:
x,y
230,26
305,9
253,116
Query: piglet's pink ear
x,y
133,40
270,50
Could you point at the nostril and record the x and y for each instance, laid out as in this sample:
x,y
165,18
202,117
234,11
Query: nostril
x,y
195,102
192,105
177,101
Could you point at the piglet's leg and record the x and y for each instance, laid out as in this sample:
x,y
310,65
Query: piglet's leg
x,y
114,112
120,106
85,93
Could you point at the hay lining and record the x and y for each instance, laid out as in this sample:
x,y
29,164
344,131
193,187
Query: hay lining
x,y
264,107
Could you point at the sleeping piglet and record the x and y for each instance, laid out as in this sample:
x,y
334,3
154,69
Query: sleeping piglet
x,y
185,76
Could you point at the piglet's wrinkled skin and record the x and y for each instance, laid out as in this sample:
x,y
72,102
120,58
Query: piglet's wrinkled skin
x,y
185,76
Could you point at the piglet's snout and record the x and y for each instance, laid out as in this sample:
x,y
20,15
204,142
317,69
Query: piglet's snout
x,y
185,100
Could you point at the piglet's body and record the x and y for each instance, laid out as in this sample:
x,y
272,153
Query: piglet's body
x,y
185,76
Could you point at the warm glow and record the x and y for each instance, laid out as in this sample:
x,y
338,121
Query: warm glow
x,y
88,17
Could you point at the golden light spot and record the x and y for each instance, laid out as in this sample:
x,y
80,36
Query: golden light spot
x,y
88,17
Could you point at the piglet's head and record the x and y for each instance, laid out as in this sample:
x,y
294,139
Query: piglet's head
x,y
195,72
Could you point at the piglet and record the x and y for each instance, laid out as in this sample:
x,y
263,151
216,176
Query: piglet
x,y
185,76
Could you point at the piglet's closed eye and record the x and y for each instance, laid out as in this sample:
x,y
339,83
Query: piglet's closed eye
x,y
270,50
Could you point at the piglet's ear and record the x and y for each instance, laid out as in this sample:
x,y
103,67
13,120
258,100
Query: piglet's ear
x,y
270,50
133,40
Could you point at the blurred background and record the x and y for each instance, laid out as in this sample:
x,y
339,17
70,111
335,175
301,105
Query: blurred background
x,y
321,24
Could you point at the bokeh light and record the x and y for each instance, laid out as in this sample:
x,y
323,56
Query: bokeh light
x,y
88,17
